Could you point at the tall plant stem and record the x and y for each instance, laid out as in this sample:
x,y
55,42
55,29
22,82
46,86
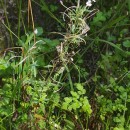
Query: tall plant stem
x,y
69,76
7,20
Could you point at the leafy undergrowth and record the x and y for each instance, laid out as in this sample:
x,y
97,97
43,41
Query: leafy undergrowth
x,y
73,76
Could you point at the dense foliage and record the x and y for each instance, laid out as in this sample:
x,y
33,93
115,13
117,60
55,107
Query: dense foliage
x,y
66,65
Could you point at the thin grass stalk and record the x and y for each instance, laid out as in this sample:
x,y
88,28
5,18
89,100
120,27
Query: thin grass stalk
x,y
32,19
7,20
19,16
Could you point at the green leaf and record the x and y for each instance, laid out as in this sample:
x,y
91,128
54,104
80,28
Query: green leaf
x,y
75,105
74,94
39,31
40,60
126,43
86,106
128,4
6,70
80,88
70,107
65,106
100,17
68,99
69,124
51,43
118,128
53,8
47,45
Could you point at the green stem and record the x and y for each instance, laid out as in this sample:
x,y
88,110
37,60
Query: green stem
x,y
79,120
69,76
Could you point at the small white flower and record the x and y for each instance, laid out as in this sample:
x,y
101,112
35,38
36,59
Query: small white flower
x,y
35,31
72,59
55,125
89,3
73,52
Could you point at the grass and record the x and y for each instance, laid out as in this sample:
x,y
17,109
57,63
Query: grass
x,y
83,85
